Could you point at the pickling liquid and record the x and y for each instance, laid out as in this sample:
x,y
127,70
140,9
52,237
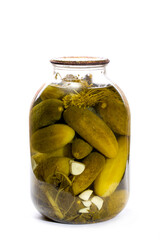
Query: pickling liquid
x,y
79,140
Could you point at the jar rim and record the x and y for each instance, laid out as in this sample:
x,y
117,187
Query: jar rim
x,y
80,60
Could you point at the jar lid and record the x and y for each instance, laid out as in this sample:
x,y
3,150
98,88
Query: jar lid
x,y
80,60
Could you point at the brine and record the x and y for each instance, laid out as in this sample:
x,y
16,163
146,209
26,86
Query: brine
x,y
79,141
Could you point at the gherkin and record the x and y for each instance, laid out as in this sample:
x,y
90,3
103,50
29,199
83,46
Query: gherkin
x,y
50,166
61,152
116,114
45,113
94,163
51,138
113,170
92,129
80,148
52,92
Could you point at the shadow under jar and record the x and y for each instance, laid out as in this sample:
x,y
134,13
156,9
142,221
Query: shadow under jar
x,y
79,141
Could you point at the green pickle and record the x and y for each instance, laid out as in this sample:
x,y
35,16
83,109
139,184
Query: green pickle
x,y
79,141
115,114
65,151
52,92
51,138
80,148
93,129
93,165
45,113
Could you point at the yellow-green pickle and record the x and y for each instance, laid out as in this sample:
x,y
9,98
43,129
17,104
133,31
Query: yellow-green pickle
x,y
79,144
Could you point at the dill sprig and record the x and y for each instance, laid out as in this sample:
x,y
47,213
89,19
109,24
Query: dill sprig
x,y
88,97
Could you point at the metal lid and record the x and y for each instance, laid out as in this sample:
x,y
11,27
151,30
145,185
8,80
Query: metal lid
x,y
80,60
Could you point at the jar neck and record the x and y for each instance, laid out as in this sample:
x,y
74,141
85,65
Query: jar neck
x,y
96,73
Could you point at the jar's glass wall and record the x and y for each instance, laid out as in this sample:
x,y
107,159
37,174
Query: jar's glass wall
x,y
79,139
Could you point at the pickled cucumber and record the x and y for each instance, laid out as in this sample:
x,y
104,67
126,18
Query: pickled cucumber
x,y
116,202
51,138
80,148
50,166
52,92
45,113
93,129
65,151
94,163
115,114
53,165
113,170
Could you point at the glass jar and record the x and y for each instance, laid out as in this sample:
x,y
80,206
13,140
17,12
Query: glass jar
x,y
79,141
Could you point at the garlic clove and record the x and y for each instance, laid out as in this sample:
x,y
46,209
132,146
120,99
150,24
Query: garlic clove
x,y
87,203
97,201
76,168
86,194
84,210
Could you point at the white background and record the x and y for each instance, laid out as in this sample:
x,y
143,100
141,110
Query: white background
x,y
33,32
